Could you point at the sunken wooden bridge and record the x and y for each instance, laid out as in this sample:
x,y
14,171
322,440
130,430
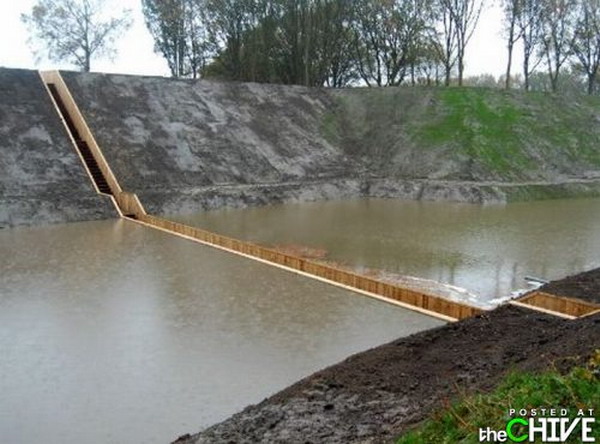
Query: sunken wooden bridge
x,y
128,206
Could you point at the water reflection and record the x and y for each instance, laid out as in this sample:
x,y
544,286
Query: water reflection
x,y
485,249
111,332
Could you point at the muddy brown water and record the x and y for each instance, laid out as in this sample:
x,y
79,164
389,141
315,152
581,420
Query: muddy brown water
x,y
487,250
115,333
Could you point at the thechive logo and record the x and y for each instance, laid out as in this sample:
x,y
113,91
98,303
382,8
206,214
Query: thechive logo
x,y
543,425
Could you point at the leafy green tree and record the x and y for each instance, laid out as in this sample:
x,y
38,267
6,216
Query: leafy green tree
x,y
229,22
304,42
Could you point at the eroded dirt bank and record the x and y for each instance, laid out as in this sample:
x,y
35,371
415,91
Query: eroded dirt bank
x,y
583,286
375,395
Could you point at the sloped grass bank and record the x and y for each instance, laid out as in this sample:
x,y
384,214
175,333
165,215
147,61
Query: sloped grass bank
x,y
467,133
460,422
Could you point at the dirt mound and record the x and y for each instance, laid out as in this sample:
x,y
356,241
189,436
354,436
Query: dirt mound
x,y
581,286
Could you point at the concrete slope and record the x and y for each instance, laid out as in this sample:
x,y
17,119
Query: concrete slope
x,y
42,179
167,139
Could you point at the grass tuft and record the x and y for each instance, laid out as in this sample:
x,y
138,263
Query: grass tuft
x,y
459,422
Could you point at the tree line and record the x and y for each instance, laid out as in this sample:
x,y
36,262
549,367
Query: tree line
x,y
314,42
374,42
555,34
335,43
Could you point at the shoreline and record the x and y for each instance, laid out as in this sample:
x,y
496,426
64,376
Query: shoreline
x,y
376,395
234,196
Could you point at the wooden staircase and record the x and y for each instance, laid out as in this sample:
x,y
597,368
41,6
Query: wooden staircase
x,y
82,146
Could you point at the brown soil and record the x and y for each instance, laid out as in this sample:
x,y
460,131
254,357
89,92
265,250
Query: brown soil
x,y
581,286
376,395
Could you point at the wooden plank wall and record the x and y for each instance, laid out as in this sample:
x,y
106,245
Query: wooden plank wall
x,y
559,304
130,204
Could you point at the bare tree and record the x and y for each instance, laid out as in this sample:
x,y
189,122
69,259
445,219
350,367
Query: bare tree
x,y
586,42
557,35
447,42
75,30
529,21
464,16
512,10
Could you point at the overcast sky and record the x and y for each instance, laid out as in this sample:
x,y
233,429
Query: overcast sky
x,y
486,52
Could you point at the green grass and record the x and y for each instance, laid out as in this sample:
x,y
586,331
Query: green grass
x,y
509,133
481,124
460,421
480,134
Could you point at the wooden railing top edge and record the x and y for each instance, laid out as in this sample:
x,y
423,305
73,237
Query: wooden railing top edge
x,y
542,310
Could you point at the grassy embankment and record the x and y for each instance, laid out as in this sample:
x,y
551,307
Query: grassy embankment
x,y
470,134
512,133
460,422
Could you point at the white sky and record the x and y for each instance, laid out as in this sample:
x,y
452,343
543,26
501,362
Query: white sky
x,y
486,52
